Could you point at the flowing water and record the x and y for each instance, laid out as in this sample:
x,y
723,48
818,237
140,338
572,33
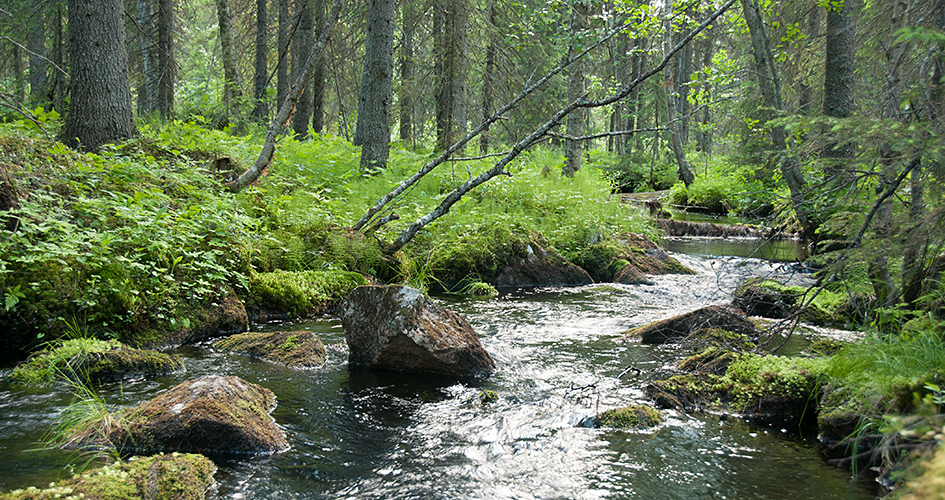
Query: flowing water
x,y
364,434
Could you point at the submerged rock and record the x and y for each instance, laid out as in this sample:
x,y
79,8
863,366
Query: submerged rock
x,y
300,349
541,267
93,360
629,417
160,477
727,318
399,328
211,415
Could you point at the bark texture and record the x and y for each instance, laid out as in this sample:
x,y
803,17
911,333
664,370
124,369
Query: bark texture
x,y
100,110
372,132
576,121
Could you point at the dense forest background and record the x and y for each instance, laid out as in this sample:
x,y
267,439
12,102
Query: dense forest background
x,y
824,117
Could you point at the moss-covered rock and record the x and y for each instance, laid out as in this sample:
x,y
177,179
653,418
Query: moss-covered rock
x,y
627,260
211,415
298,294
223,315
93,360
629,417
766,297
689,392
488,397
729,318
540,266
159,477
298,349
773,387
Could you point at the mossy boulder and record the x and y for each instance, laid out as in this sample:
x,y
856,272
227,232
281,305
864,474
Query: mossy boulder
x,y
399,328
727,318
766,297
93,360
211,415
773,388
290,294
539,266
627,260
159,477
298,349
628,417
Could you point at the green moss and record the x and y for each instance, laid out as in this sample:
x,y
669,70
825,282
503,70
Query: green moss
x,y
825,346
300,349
300,293
629,417
175,476
488,397
83,360
773,383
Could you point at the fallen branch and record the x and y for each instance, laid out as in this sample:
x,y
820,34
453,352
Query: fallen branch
x,y
288,106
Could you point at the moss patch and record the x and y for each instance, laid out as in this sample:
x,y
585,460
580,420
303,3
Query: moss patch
x,y
488,397
299,349
629,417
175,476
296,294
93,360
714,360
773,385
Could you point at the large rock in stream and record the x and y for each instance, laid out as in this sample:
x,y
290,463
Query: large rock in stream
x,y
210,415
728,318
399,328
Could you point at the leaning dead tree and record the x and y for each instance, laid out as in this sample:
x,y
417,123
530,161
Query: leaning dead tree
x,y
288,106
538,134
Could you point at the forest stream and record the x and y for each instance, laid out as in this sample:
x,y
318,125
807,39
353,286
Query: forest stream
x,y
363,434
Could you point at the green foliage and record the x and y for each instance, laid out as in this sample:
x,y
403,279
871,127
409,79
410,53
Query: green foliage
x,y
890,368
726,187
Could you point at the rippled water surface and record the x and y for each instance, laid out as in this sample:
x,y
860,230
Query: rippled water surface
x,y
363,434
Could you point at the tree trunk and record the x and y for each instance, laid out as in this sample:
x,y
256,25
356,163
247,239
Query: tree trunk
x,y
231,77
304,38
704,137
37,57
406,73
770,83
19,86
58,91
683,77
282,70
319,77
167,64
488,78
146,92
372,131
261,109
285,109
100,108
882,279
839,77
574,149
450,26
672,125
805,92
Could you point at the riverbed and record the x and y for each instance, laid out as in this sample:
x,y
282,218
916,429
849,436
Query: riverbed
x,y
365,434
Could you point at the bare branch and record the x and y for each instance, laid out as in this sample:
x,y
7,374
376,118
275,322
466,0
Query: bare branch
x,y
499,169
288,106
